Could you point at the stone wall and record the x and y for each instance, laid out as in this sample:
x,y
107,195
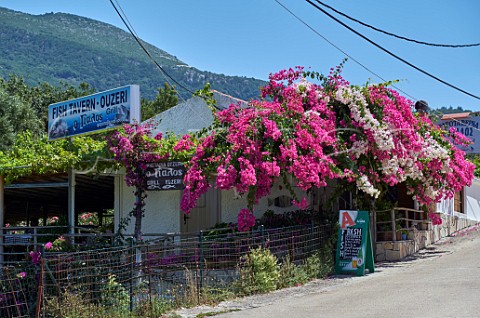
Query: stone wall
x,y
420,239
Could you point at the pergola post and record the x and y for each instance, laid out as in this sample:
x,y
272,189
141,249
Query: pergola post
x,y
71,200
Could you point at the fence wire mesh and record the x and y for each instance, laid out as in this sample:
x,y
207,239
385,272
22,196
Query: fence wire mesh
x,y
15,293
169,267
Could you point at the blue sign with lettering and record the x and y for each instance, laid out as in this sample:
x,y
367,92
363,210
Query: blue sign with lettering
x,y
469,127
95,112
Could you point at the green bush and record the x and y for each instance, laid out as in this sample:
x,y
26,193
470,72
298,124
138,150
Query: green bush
x,y
291,274
319,265
115,295
259,272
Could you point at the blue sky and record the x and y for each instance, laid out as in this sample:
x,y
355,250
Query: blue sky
x,y
256,37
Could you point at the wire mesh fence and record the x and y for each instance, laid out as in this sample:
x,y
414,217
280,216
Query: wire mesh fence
x,y
136,276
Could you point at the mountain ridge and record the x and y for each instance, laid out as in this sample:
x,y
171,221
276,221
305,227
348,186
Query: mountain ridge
x,y
77,49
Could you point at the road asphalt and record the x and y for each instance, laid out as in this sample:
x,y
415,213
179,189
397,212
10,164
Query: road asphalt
x,y
442,280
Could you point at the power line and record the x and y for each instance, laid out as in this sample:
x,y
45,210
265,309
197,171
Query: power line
x,y
392,54
339,49
137,39
395,35
133,33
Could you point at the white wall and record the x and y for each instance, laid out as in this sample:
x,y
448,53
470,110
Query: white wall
x,y
230,206
472,199
162,209
446,206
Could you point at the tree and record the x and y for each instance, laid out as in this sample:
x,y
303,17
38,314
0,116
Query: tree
x,y
133,148
15,116
165,99
39,97
366,137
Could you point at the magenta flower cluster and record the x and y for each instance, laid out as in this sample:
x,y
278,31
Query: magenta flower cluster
x,y
436,219
312,133
245,220
133,148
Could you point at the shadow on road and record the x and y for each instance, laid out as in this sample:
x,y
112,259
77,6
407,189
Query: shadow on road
x,y
427,253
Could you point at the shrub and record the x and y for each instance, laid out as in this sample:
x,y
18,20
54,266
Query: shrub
x,y
115,295
259,272
290,274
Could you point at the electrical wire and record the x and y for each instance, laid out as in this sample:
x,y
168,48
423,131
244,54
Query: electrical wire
x,y
339,49
395,35
133,33
392,54
137,39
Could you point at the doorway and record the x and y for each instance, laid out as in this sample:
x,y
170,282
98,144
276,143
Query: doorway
x,y
205,215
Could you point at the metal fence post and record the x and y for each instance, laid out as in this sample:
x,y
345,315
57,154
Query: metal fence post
x,y
41,292
200,260
132,272
262,233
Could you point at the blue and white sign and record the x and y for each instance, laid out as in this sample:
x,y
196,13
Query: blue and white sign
x,y
469,126
95,112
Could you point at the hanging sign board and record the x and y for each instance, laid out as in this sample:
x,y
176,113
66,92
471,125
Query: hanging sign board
x,y
94,113
165,176
469,127
354,245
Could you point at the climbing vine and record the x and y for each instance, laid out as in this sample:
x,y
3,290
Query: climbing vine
x,y
32,155
317,128
134,147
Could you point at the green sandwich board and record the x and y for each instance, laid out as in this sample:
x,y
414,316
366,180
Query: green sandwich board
x,y
354,245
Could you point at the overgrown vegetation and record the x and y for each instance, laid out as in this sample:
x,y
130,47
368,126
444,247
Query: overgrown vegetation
x,y
71,305
259,272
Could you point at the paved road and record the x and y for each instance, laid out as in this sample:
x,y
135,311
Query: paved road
x,y
442,281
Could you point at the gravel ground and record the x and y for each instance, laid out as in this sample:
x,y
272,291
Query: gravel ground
x,y
446,245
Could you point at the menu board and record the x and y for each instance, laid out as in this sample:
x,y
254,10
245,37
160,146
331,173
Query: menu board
x,y
354,246
351,243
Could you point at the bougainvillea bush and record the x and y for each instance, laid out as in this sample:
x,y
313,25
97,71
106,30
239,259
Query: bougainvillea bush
x,y
134,147
313,128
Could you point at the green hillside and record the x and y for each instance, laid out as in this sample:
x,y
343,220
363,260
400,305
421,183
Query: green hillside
x,y
58,47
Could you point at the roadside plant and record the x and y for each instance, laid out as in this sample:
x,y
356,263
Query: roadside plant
x,y
259,272
114,295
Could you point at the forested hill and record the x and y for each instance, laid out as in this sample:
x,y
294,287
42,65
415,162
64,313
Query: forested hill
x,y
58,47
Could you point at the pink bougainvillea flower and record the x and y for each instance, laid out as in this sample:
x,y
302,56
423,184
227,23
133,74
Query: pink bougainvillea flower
x,y
35,257
303,204
48,245
436,219
367,138
245,219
